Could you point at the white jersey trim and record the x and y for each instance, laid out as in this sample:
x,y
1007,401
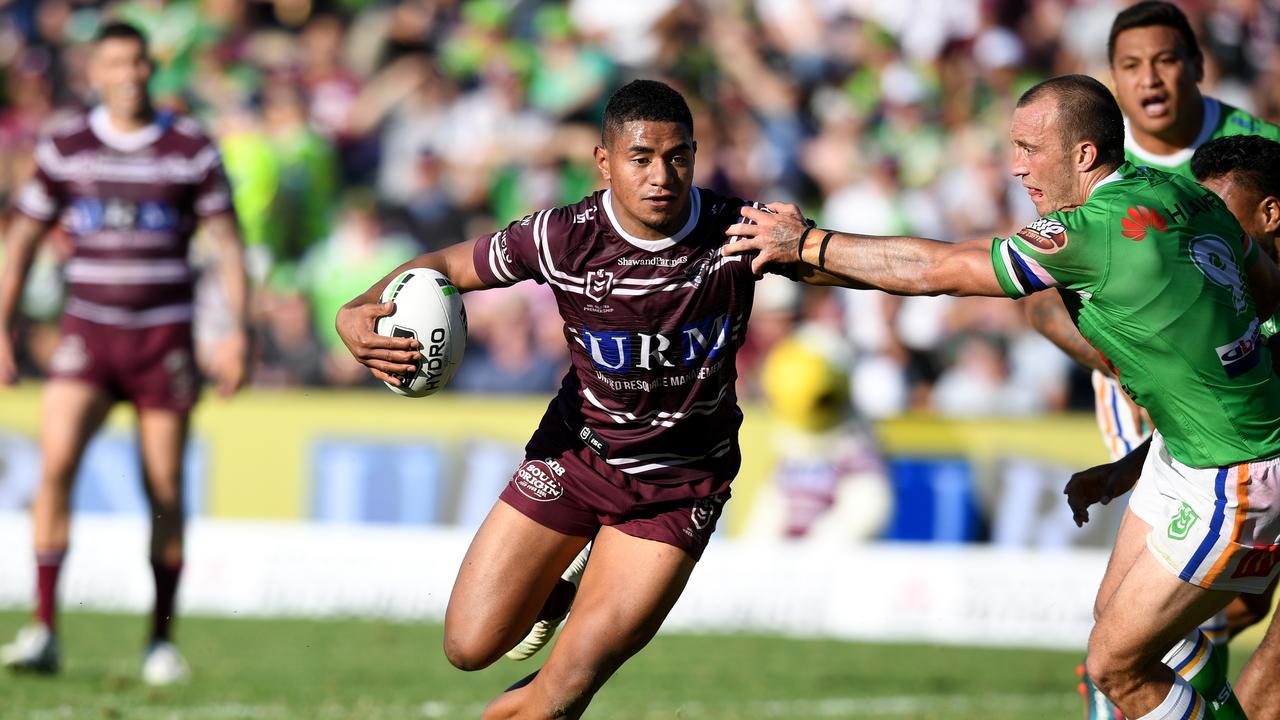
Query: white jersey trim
x,y
122,140
127,272
123,317
660,461
1212,114
695,210
100,167
34,201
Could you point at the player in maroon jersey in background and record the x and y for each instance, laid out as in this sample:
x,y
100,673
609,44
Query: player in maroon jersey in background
x,y
640,445
131,186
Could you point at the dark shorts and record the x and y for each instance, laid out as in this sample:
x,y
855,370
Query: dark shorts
x,y
151,367
573,491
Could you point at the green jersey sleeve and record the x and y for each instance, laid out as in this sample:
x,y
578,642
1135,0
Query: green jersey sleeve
x,y
1060,250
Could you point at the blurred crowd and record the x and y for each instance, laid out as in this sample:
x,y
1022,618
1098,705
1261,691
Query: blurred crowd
x,y
358,133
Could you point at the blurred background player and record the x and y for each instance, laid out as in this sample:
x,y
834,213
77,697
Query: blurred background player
x,y
1156,67
131,186
829,483
640,446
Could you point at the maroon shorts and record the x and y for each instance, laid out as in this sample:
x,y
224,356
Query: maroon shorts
x,y
573,491
151,367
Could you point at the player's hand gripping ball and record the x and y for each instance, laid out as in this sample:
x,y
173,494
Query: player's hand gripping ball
x,y
428,308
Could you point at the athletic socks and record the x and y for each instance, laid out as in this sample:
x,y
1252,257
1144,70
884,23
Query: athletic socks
x,y
166,576
1182,703
48,566
1215,628
1193,659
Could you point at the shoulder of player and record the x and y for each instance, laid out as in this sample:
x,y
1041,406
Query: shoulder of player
x,y
67,131
1234,121
723,209
186,134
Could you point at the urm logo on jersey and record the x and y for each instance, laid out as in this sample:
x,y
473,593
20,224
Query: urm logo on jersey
x,y
88,215
620,352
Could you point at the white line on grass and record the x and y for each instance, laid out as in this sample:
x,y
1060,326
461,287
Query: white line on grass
x,y
1020,705
1024,705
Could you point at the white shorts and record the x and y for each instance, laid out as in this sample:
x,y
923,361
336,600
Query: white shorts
x,y
1119,420
1218,528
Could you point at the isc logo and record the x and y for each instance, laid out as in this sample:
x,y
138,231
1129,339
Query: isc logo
x,y
626,351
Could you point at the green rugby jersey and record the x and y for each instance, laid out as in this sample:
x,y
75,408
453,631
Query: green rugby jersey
x,y
1152,269
1220,120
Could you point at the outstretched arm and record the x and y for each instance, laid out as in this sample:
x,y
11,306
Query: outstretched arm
x,y
1047,314
899,265
357,320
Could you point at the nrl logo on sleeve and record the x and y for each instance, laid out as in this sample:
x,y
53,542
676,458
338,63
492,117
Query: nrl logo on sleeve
x,y
599,284
1046,235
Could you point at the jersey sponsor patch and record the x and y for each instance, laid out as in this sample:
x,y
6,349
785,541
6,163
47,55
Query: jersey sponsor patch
x,y
1257,562
1138,220
1046,235
538,480
1241,355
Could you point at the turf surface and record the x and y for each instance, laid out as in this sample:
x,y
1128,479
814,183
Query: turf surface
x,y
277,669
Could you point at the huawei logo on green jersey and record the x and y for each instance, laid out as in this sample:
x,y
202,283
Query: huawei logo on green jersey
x,y
1139,220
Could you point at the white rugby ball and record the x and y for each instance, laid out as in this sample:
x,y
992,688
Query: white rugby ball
x,y
428,308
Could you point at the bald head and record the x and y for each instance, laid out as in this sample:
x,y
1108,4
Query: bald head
x,y
1084,111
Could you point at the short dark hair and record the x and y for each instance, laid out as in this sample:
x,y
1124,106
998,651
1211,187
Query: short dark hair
x,y
1251,160
1147,14
122,31
644,100
1086,111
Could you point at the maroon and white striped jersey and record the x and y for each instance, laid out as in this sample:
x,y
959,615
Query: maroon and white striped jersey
x,y
653,328
131,202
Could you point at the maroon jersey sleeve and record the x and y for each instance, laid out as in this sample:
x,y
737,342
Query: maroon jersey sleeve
x,y
41,197
510,255
213,192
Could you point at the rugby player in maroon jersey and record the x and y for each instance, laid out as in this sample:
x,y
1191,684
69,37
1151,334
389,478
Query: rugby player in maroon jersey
x,y
640,445
131,186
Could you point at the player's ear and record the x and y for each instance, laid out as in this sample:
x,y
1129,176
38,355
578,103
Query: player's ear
x,y
602,161
1086,156
1197,67
1269,212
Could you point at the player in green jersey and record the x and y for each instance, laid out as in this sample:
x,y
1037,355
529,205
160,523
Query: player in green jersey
x,y
1172,308
1156,65
1243,170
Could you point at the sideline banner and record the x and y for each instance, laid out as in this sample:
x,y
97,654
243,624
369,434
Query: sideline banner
x,y
901,593
370,457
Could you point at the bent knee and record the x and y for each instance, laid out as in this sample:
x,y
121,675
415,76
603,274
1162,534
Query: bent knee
x,y
469,654
1109,671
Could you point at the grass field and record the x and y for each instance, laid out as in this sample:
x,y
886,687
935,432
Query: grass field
x,y
269,669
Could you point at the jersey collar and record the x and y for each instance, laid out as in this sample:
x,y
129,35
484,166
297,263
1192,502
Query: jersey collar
x,y
1114,176
695,209
120,140
1212,114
